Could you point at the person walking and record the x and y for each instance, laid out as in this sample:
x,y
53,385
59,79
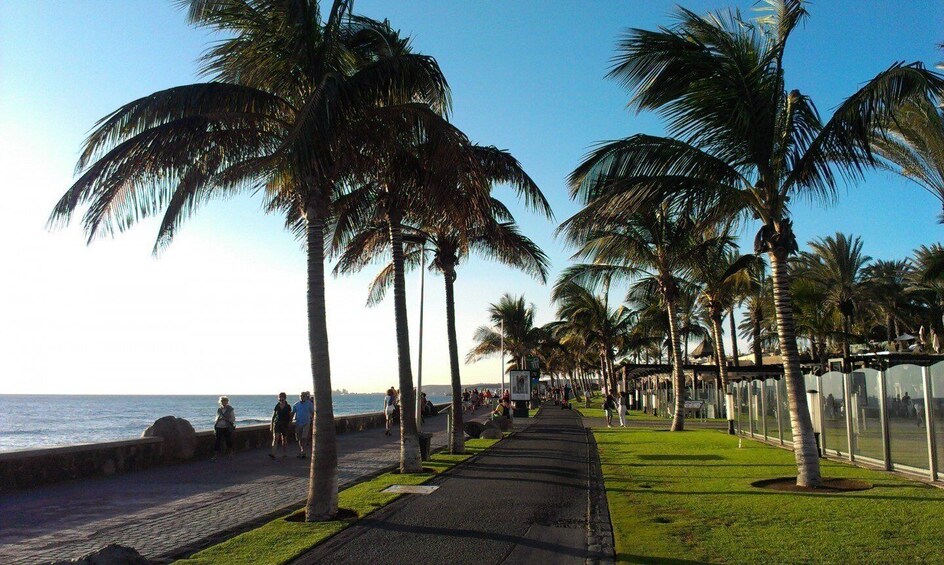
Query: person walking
x,y
390,403
608,406
623,406
281,418
223,427
304,411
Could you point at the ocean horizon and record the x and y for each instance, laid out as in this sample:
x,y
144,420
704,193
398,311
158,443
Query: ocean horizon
x,y
32,421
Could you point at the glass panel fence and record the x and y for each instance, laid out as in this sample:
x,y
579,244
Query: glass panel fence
x,y
771,409
865,409
834,438
744,413
937,408
757,422
908,437
785,411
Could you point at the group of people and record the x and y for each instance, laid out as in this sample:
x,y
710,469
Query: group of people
x,y
472,400
391,408
302,413
619,405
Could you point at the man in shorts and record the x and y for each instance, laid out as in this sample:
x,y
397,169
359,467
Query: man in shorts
x,y
304,411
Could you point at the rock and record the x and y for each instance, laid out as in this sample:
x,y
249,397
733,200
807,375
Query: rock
x,y
473,429
180,439
504,424
111,554
491,433
490,423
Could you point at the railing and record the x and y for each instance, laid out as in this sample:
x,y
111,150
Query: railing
x,y
892,418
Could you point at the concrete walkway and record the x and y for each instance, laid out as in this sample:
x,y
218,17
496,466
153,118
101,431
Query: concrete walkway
x,y
159,511
523,501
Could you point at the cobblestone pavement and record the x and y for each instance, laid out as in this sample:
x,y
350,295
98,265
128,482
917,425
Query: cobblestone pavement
x,y
160,510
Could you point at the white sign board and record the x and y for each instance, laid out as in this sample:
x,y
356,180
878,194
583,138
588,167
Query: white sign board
x,y
520,384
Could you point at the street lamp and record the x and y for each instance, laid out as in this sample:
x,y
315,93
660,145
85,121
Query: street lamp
x,y
419,361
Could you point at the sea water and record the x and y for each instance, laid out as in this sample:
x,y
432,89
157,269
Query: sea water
x,y
32,421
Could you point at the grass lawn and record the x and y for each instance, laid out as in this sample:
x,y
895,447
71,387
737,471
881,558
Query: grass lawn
x,y
280,541
687,498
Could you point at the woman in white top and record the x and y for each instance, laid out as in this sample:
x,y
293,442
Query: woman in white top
x,y
224,426
390,402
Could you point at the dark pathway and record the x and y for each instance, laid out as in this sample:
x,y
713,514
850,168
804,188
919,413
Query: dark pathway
x,y
523,501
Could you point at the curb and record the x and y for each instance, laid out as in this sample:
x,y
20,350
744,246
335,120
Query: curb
x,y
600,544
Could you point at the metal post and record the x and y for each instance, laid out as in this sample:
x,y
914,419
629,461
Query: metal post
x,y
883,414
419,362
848,402
503,356
929,422
763,405
449,424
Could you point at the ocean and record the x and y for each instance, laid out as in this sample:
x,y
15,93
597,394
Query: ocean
x,y
32,421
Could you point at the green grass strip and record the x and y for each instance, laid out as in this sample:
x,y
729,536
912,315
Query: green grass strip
x,y
281,541
687,498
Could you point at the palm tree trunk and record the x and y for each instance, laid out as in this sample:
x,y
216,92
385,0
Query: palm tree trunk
x,y
734,340
804,443
322,501
719,351
678,375
410,461
888,328
755,340
457,441
846,331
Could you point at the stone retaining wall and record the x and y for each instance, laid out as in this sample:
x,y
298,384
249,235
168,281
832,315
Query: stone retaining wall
x,y
35,467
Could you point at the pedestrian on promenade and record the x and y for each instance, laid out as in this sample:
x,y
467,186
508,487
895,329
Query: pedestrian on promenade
x,y
223,427
281,418
390,403
609,405
623,406
304,411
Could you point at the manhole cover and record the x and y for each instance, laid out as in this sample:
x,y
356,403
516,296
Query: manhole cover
x,y
410,489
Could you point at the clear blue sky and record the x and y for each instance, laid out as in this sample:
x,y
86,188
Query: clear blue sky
x,y
223,309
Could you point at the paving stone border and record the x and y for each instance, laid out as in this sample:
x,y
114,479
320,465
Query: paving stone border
x,y
600,542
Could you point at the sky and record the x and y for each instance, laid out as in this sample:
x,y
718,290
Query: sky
x,y
222,311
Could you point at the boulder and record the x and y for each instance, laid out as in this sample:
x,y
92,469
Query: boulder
x,y
473,429
504,424
180,439
111,554
491,433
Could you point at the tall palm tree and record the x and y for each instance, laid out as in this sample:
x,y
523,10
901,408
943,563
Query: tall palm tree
x,y
912,145
521,336
651,249
759,328
600,327
886,281
722,276
741,142
836,264
493,236
287,90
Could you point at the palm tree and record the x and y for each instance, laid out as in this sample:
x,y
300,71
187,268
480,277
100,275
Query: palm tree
x,y
886,281
722,276
653,249
451,242
741,142
521,336
287,90
599,327
758,300
912,145
836,264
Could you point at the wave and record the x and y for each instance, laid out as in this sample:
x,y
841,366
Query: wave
x,y
250,421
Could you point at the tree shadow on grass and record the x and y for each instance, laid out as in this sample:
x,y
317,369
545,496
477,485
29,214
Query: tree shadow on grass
x,y
680,457
852,495
648,559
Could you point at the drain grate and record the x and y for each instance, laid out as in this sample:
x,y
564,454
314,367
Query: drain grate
x,y
410,489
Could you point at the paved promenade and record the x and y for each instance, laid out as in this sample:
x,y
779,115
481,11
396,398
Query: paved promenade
x,y
159,511
523,501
